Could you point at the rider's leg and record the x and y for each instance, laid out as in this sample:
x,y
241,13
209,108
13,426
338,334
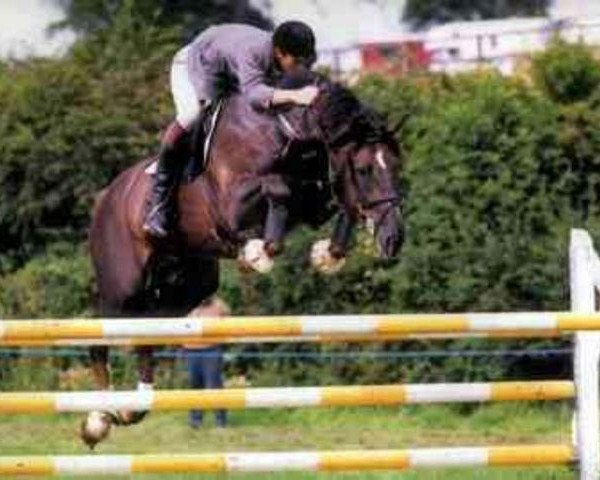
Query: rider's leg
x,y
165,183
170,163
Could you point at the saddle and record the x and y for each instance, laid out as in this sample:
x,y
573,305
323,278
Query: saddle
x,y
304,165
199,144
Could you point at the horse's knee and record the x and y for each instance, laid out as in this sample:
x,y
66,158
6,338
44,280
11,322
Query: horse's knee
x,y
211,307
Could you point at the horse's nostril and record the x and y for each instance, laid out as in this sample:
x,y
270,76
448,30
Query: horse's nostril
x,y
392,246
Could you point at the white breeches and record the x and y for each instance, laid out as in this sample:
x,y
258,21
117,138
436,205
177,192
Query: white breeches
x,y
187,103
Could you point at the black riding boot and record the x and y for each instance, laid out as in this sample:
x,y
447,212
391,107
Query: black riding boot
x,y
161,213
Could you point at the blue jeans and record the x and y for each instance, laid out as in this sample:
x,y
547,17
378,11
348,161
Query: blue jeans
x,y
205,369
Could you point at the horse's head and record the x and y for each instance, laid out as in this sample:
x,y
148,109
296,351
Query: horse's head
x,y
364,157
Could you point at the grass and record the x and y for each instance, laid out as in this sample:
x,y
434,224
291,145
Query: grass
x,y
316,429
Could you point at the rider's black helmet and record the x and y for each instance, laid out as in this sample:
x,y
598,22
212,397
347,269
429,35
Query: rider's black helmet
x,y
296,39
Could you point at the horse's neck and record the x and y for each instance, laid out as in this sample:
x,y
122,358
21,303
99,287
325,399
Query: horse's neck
x,y
246,140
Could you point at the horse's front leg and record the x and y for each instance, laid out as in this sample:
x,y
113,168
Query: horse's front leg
x,y
328,256
277,194
258,254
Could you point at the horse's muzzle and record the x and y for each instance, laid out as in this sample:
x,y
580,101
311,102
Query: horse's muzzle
x,y
390,234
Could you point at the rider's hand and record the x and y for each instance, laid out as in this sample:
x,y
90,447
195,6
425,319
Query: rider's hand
x,y
302,96
306,95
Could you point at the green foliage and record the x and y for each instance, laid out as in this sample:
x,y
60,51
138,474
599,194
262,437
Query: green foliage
x,y
485,230
567,72
54,285
70,125
578,167
424,12
495,173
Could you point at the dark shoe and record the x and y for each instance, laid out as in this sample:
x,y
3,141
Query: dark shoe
x,y
195,419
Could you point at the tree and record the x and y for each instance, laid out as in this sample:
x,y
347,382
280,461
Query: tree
x,y
89,16
420,13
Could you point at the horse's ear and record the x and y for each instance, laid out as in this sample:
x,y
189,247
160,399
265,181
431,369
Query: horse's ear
x,y
397,127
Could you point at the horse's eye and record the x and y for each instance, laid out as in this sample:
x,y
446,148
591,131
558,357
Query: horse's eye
x,y
364,171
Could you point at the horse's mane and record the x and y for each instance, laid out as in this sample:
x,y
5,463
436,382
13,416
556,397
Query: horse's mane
x,y
340,113
344,116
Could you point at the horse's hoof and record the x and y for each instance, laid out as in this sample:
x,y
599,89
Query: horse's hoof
x,y
95,428
322,259
129,417
254,256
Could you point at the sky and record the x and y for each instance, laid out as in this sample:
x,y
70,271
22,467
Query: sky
x,y
23,25
343,23
576,8
338,23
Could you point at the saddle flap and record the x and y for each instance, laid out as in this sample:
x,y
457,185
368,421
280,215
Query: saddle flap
x,y
205,133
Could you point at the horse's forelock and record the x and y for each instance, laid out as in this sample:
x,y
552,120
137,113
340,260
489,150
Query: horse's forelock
x,y
338,109
344,116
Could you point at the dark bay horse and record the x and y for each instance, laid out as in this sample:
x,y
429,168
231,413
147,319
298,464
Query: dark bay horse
x,y
256,186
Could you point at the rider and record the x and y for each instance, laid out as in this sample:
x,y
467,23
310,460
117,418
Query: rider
x,y
242,54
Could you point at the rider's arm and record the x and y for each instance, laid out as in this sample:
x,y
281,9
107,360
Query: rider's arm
x,y
252,83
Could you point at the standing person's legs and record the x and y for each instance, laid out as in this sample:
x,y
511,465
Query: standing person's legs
x,y
196,380
212,371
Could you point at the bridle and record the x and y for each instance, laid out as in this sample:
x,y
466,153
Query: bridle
x,y
365,205
334,142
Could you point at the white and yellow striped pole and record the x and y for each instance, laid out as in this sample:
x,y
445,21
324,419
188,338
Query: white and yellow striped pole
x,y
525,455
323,339
369,395
529,323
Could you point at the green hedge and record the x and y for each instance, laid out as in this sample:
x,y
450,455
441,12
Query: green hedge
x,y
496,171
53,285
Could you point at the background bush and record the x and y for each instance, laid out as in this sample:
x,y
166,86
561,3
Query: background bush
x,y
495,171
567,72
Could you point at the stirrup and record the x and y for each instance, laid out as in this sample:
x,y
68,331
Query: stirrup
x,y
153,227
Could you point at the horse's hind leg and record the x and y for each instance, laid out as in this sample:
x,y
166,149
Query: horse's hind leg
x,y
145,359
119,275
99,366
200,279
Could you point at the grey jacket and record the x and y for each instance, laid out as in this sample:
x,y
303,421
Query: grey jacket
x,y
241,55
